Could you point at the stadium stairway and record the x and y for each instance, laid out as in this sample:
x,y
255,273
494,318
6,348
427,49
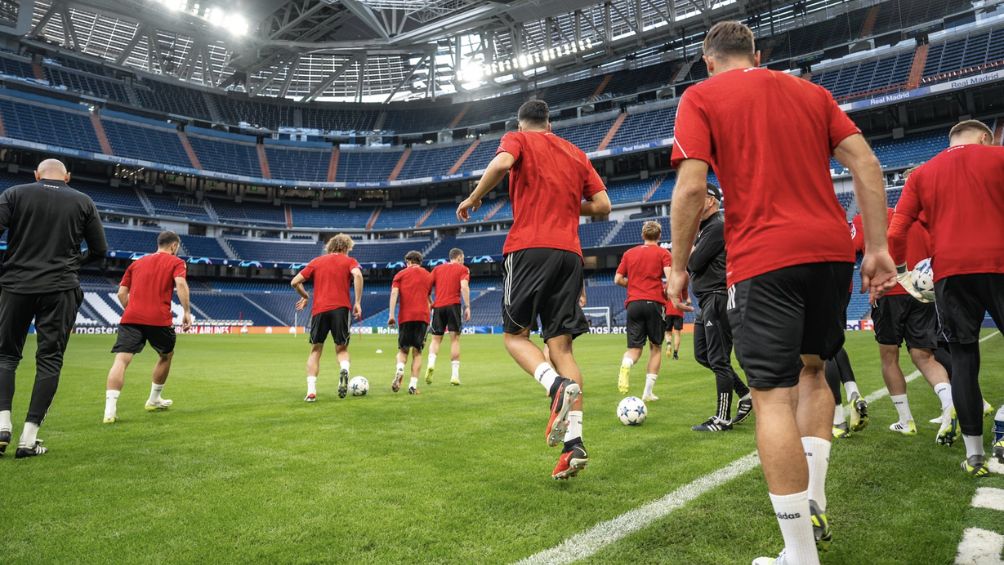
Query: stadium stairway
x,y
266,172
463,157
226,247
373,218
868,25
425,215
3,129
99,132
333,164
400,164
602,85
917,68
656,183
612,131
495,210
460,115
145,201
189,151
210,210
612,234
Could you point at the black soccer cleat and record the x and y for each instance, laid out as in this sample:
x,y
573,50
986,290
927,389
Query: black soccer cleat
x,y
743,411
676,356
713,424
32,451
343,383
4,441
820,527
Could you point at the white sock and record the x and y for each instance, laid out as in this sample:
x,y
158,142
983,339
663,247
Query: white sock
x,y
792,511
344,365
6,425
545,375
649,384
311,385
902,407
432,360
944,392
817,454
413,383
111,403
155,390
455,366
746,396
838,416
574,425
851,388
29,435
626,362
974,445
400,368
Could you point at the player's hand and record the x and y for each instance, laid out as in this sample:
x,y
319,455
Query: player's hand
x,y
186,322
906,281
466,207
582,300
467,314
301,304
357,312
674,290
391,322
878,274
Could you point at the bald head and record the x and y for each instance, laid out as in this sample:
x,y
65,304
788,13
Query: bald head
x,y
52,169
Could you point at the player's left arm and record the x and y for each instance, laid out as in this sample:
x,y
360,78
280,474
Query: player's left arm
x,y
597,205
123,296
184,296
493,175
394,291
685,217
620,280
582,296
465,292
297,284
357,280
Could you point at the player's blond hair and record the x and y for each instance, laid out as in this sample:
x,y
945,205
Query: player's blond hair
x,y
340,243
729,39
651,231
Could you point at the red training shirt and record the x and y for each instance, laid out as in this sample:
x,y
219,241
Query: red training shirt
x,y
918,246
415,285
446,280
643,266
332,276
547,183
150,281
769,137
961,191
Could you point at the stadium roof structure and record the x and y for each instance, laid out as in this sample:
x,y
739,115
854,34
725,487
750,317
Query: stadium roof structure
x,y
392,50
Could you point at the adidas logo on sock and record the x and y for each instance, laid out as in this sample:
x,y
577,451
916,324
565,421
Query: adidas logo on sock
x,y
786,516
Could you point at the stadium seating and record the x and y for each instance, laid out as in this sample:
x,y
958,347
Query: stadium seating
x,y
330,217
86,84
249,213
178,206
327,118
46,124
148,143
237,109
289,162
390,251
592,234
586,136
964,55
198,246
432,161
645,126
630,232
131,240
121,199
367,165
15,68
227,153
275,251
858,79
398,217
172,99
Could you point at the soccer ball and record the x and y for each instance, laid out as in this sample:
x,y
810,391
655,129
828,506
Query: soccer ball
x,y
632,411
359,386
922,276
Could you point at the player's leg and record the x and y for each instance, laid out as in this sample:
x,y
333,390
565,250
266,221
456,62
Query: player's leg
x,y
438,329
116,379
840,427
636,338
858,405
888,316
313,370
455,356
416,369
54,318
162,340
652,371
401,358
573,453
720,361
16,312
414,333
342,354
677,338
669,337
341,323
921,336
815,416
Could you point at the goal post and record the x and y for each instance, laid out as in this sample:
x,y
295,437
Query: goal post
x,y
598,316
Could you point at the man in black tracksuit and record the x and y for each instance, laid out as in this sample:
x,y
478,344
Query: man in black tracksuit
x,y
712,332
45,223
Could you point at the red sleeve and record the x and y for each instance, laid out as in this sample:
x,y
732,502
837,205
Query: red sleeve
x,y
511,144
594,184
127,277
841,126
667,260
180,269
308,271
692,134
354,265
467,275
397,280
907,211
622,268
858,234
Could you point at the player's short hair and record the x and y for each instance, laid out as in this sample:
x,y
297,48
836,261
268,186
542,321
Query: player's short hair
x,y
456,253
651,230
340,243
166,238
729,39
908,172
534,112
970,125
413,257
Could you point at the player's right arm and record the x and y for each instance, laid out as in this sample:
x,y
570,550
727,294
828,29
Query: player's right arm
x,y
94,235
184,296
465,292
123,296
597,205
620,277
394,291
493,175
297,284
878,272
357,280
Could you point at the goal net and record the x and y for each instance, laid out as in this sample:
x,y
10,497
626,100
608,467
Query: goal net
x,y
598,316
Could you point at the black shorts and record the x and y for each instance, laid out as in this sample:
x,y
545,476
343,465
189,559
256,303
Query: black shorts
x,y
447,319
964,300
336,322
132,338
902,318
674,323
645,323
545,283
781,315
411,335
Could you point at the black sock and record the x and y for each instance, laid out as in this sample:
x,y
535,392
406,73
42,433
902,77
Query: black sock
x,y
569,445
555,385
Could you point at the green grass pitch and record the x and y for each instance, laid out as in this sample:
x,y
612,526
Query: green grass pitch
x,y
242,470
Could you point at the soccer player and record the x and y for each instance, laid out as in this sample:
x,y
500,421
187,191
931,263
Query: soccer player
x,y
145,293
45,223
959,194
770,137
712,332
551,183
451,282
330,312
413,284
901,318
642,270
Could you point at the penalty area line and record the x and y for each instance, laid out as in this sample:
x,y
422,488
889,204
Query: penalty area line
x,y
591,541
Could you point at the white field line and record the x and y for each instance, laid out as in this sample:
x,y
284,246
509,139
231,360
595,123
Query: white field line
x,y
591,541
987,497
980,547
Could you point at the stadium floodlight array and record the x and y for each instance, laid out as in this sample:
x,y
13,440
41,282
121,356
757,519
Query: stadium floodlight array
x,y
475,71
215,15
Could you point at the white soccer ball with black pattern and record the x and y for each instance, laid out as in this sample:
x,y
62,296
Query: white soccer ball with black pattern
x,y
922,276
632,411
359,386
